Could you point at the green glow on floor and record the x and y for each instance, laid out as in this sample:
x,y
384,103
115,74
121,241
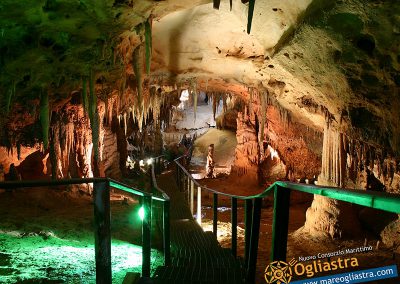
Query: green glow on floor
x,y
70,261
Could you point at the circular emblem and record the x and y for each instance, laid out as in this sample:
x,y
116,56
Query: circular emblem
x,y
278,272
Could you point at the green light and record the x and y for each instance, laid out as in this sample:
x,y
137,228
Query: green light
x,y
141,213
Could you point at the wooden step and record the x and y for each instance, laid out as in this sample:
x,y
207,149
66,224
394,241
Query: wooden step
x,y
191,274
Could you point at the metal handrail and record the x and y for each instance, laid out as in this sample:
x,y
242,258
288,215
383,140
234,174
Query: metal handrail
x,y
205,187
101,200
373,199
281,189
156,168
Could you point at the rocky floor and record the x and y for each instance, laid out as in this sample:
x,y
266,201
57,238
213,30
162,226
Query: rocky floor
x,y
46,236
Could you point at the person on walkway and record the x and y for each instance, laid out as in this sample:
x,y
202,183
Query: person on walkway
x,y
210,162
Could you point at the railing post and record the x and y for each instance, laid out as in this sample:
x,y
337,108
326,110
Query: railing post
x,y
180,179
102,235
215,213
183,177
199,205
234,226
192,197
146,236
248,211
255,232
188,181
159,167
176,170
166,230
280,223
161,164
156,165
153,168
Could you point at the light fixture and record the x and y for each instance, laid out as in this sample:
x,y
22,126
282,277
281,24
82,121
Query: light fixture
x,y
141,213
149,161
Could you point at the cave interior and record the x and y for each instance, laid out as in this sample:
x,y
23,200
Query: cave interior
x,y
305,91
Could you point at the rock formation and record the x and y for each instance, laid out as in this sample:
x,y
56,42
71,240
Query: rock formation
x,y
314,82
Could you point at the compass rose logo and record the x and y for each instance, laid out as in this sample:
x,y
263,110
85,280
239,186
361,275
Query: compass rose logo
x,y
279,272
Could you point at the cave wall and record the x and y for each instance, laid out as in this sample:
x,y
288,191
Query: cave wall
x,y
298,157
70,149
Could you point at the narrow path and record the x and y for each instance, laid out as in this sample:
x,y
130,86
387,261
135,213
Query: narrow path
x,y
197,256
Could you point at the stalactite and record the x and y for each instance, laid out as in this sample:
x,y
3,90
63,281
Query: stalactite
x,y
110,107
18,150
284,115
122,90
148,42
251,100
179,91
92,97
140,122
214,104
263,113
106,111
45,118
250,15
138,69
125,123
216,4
53,156
10,95
372,159
85,103
194,86
69,141
93,115
156,107
219,96
333,157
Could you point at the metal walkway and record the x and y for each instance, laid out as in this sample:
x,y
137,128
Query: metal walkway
x,y
196,256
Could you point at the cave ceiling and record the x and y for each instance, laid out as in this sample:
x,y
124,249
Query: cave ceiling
x,y
335,61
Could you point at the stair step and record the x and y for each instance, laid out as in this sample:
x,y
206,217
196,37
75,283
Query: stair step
x,y
196,256
189,274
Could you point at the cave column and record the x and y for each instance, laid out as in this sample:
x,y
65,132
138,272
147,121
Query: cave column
x,y
329,217
210,162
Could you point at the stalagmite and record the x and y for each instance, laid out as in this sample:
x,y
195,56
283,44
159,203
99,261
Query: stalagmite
x,y
125,124
210,162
